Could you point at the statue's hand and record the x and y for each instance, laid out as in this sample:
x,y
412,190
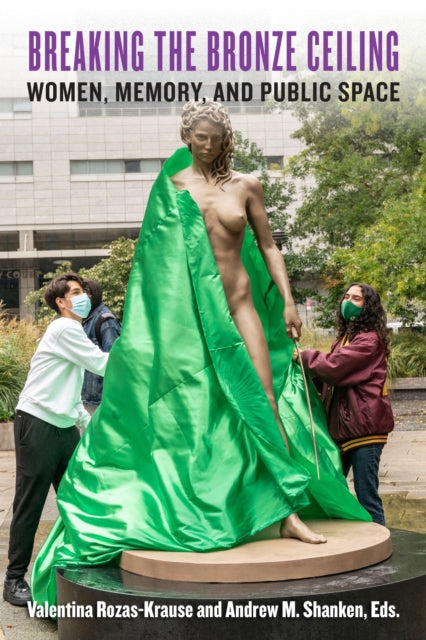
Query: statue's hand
x,y
293,323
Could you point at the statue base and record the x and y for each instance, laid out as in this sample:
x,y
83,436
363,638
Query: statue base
x,y
383,600
350,545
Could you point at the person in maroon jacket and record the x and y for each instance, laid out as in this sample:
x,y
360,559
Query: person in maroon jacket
x,y
352,379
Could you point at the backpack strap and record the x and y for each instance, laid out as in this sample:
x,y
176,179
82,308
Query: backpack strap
x,y
100,321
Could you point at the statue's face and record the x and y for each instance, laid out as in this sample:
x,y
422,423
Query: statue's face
x,y
205,141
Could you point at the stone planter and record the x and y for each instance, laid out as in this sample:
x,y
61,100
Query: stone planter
x,y
7,442
407,389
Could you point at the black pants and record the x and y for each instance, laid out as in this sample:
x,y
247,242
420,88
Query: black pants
x,y
42,455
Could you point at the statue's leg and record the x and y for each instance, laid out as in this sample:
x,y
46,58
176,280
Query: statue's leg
x,y
250,328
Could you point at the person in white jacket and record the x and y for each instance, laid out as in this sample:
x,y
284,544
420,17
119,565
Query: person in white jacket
x,y
48,416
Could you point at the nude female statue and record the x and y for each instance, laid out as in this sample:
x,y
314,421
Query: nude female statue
x,y
228,200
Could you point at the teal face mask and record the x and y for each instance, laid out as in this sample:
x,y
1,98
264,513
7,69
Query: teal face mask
x,y
350,311
81,305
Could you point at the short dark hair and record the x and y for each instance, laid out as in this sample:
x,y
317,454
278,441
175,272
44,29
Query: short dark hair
x,y
58,287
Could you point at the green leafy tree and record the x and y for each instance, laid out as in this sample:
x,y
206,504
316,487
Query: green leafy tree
x,y
390,254
304,267
359,157
113,273
279,191
361,162
36,298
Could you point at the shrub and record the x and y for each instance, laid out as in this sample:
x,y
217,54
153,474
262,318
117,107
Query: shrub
x,y
18,340
408,355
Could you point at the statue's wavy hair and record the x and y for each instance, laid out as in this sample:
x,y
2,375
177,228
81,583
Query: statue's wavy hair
x,y
372,318
207,109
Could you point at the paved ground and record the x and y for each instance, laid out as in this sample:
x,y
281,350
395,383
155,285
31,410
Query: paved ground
x,y
402,486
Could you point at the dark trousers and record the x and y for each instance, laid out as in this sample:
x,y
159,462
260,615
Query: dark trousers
x,y
365,463
42,455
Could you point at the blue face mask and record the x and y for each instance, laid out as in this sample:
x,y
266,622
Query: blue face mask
x,y
350,311
81,305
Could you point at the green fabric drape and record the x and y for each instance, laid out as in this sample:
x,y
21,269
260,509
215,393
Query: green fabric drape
x,y
184,452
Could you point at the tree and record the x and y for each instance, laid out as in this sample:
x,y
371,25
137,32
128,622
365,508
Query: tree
x,y
389,255
303,268
361,161
279,192
359,157
112,273
37,297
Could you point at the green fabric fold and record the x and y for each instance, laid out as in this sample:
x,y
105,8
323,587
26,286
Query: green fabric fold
x,y
184,452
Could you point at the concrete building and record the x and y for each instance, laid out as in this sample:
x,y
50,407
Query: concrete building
x,y
76,174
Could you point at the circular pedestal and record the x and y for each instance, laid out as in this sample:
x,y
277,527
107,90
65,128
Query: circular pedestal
x,y
382,601
350,545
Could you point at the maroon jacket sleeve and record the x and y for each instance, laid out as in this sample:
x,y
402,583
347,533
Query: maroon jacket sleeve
x,y
345,366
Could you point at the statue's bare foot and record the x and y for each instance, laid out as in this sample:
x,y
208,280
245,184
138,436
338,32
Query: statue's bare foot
x,y
293,527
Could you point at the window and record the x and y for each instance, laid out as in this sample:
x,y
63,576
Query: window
x,y
9,240
24,168
6,105
151,165
21,105
84,167
80,239
15,105
132,166
9,289
274,162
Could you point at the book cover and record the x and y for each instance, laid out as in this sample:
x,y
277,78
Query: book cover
x,y
90,102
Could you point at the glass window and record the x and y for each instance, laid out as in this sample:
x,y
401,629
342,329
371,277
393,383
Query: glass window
x,y
9,241
152,165
132,166
15,105
5,105
78,166
24,168
97,166
9,289
92,110
114,111
274,162
79,239
21,105
115,166
7,169
81,167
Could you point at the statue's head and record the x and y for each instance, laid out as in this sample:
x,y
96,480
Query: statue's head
x,y
208,109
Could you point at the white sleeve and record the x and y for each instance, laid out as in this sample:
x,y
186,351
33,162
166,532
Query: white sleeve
x,y
75,346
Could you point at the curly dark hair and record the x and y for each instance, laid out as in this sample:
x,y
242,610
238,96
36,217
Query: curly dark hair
x,y
208,109
372,318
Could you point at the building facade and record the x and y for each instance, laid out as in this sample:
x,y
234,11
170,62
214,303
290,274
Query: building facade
x,y
76,174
